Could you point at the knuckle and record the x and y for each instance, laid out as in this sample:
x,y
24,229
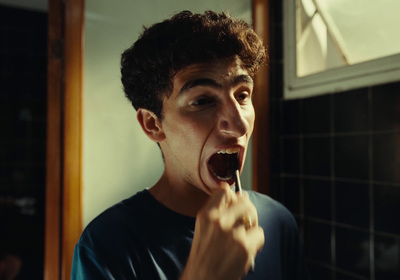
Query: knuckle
x,y
227,194
213,218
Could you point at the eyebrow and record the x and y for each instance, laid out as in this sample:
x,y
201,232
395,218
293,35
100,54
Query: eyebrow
x,y
212,83
199,82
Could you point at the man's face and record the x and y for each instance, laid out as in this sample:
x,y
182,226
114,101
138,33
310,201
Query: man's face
x,y
208,120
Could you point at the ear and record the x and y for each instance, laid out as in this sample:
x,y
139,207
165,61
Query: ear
x,y
150,124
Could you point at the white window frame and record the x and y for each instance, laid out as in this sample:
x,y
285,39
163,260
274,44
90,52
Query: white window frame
x,y
374,72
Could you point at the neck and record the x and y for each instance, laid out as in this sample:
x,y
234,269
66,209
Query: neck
x,y
185,200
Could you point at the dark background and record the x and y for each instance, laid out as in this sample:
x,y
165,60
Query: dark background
x,y
23,62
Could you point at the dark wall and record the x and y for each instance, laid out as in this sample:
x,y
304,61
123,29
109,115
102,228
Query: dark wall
x,y
23,41
336,166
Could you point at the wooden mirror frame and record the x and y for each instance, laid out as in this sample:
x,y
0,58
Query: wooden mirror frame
x,y
63,221
261,101
63,224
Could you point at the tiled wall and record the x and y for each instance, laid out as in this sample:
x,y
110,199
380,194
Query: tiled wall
x,y
336,166
23,37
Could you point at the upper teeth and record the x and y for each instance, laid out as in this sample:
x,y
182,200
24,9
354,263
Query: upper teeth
x,y
229,151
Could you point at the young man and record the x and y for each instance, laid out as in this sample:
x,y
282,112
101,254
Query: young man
x,y
190,78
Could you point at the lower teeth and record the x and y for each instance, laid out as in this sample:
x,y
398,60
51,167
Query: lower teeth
x,y
226,178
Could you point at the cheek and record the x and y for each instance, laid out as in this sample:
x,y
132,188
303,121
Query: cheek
x,y
250,118
188,131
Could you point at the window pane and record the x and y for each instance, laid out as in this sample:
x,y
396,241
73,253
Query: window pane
x,y
334,33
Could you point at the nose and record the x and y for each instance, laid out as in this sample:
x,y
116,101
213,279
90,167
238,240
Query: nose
x,y
234,120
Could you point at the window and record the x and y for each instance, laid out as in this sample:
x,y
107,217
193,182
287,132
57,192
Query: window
x,y
336,45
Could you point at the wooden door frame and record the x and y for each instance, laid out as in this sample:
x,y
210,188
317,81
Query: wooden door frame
x,y
63,216
261,100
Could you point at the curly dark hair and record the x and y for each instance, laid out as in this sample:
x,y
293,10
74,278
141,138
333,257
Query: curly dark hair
x,y
149,65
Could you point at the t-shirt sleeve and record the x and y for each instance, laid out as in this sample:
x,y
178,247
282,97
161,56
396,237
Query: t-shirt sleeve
x,y
296,262
92,261
86,265
283,254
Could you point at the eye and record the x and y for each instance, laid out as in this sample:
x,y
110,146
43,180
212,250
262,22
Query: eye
x,y
203,101
243,96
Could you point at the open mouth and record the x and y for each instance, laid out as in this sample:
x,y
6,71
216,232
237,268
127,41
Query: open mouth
x,y
223,164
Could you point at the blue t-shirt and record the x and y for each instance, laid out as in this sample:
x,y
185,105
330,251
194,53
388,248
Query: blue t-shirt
x,y
139,238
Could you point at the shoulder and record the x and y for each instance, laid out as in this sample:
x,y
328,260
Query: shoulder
x,y
271,211
121,209
266,203
99,254
115,220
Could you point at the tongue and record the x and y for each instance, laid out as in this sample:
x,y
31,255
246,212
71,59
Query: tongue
x,y
221,166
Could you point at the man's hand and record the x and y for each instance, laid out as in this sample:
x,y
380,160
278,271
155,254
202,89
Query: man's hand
x,y
223,246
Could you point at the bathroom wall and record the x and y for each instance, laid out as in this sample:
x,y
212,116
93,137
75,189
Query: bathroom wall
x,y
118,159
337,168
